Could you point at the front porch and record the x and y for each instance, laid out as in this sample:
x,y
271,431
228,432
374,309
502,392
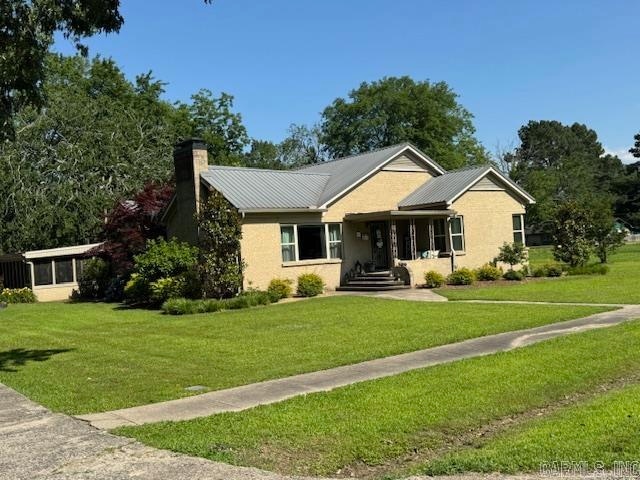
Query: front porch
x,y
398,245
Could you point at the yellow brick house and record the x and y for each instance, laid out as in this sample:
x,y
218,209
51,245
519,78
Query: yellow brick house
x,y
391,214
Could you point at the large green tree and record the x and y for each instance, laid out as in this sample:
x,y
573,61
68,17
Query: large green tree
x,y
27,29
558,163
99,139
394,110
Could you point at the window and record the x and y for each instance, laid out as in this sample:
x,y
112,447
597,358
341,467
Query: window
x,y
457,234
288,241
64,270
311,242
43,272
335,240
439,235
518,228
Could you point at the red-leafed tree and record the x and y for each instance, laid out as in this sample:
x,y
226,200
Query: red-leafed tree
x,y
131,224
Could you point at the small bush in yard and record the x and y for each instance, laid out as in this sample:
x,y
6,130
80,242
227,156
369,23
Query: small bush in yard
x,y
548,270
310,285
95,279
166,269
462,276
433,279
184,306
596,269
17,295
279,288
488,272
513,275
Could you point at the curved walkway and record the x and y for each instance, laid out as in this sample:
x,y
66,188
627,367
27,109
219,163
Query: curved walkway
x,y
272,391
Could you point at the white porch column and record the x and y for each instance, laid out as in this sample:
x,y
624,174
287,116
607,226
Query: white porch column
x,y
394,242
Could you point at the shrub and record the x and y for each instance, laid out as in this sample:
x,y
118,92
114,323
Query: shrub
x,y
488,272
433,279
95,279
17,295
279,288
165,270
513,275
595,269
554,270
462,276
115,290
184,306
310,285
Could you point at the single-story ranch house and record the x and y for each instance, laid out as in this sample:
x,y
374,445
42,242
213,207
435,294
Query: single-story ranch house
x,y
392,210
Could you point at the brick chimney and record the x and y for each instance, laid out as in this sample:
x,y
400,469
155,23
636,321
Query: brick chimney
x,y
189,159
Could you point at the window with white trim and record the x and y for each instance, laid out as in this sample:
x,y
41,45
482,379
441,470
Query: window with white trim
x,y
288,242
311,242
335,240
457,234
518,228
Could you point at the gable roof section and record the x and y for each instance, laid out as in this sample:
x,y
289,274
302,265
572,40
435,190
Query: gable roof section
x,y
254,189
447,188
348,172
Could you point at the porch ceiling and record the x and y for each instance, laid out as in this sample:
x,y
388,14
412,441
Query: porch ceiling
x,y
395,214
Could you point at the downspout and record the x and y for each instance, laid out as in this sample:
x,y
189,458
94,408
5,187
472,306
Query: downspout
x,y
453,252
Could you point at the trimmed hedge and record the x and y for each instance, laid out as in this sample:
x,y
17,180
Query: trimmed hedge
x,y
462,276
17,295
488,272
513,275
310,285
184,306
433,279
280,288
595,269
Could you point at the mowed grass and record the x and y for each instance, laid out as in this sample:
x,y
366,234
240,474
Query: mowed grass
x,y
620,285
81,358
395,425
601,431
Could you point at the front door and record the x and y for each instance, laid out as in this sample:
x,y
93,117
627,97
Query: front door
x,y
379,245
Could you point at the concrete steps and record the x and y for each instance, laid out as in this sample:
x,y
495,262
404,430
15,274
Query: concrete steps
x,y
373,282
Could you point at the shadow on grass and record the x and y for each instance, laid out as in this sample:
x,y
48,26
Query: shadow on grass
x,y
18,357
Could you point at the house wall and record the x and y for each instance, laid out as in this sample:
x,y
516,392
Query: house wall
x,y
54,293
487,224
260,245
382,191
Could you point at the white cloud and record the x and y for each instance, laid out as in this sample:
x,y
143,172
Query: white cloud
x,y
622,153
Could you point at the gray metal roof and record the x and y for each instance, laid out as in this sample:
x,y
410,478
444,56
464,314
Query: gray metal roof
x,y
445,188
346,171
258,189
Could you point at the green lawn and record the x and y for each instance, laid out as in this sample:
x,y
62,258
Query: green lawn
x,y
81,358
398,424
620,285
605,429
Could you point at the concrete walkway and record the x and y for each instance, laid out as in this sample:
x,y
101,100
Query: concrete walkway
x,y
249,396
36,444
414,294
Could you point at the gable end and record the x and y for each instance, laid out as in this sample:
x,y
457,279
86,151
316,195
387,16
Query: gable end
x,y
404,163
487,183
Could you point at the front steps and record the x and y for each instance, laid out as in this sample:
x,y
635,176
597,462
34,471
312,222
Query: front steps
x,y
373,282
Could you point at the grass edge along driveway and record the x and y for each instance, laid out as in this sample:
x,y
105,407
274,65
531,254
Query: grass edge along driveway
x,y
83,358
396,424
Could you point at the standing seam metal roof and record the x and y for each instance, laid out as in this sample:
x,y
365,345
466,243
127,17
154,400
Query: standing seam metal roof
x,y
445,188
348,170
252,188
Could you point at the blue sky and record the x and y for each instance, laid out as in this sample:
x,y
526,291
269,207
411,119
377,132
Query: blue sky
x,y
285,60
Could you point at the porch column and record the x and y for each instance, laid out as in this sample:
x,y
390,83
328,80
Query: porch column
x,y
412,238
394,241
